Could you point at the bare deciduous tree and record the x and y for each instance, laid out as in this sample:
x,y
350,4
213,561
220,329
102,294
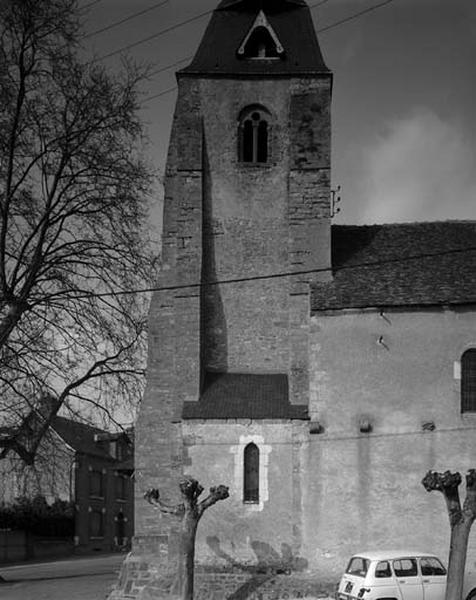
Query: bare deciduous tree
x,y
73,207
190,512
461,520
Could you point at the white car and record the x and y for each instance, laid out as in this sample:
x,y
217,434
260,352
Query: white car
x,y
397,575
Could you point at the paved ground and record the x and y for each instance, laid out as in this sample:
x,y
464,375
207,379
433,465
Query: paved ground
x,y
72,579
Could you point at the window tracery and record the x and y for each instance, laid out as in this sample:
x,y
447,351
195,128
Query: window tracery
x,y
254,137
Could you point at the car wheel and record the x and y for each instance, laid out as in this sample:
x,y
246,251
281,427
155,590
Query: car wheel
x,y
471,595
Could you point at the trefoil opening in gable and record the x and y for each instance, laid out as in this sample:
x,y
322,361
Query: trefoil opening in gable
x,y
261,42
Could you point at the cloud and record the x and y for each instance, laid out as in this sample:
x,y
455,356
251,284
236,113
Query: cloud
x,y
421,170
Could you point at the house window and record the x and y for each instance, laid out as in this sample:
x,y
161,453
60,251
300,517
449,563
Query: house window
x,y
120,529
96,524
251,474
96,484
254,137
468,381
120,487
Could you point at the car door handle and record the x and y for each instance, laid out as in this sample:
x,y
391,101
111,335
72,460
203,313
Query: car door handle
x,y
401,581
426,581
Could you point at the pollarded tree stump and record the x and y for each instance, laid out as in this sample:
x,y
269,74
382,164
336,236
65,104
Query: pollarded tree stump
x,y
190,511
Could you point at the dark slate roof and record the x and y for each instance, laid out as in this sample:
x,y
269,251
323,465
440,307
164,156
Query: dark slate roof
x,y
231,22
80,436
244,396
416,264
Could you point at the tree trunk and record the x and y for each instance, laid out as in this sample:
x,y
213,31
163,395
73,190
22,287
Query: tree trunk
x,y
190,512
457,559
461,519
185,574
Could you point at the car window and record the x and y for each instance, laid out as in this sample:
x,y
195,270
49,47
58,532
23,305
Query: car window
x,y
383,569
431,566
358,566
405,567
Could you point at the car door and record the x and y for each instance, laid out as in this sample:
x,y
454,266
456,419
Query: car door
x,y
433,575
408,578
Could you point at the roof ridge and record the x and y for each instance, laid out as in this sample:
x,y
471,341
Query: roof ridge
x,y
258,4
406,223
95,428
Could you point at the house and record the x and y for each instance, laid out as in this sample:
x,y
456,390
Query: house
x,y
88,467
319,371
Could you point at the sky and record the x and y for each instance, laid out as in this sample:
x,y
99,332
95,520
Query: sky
x,y
404,96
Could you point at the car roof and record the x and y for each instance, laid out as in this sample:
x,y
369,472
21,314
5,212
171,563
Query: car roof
x,y
392,554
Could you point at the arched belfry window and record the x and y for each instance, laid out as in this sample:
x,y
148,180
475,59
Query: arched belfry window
x,y
251,473
468,381
254,136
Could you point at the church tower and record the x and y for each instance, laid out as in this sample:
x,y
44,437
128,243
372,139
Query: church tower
x,y
246,233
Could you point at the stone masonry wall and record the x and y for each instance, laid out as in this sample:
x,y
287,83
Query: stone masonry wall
x,y
234,532
173,361
246,324
364,488
264,220
308,216
225,220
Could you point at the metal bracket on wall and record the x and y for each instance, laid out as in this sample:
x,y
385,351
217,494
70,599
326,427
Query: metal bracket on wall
x,y
335,200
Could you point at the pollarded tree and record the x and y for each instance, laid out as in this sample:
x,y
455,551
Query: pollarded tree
x,y
190,512
461,520
73,209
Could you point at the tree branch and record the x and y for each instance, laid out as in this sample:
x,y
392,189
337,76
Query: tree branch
x,y
153,497
216,494
447,483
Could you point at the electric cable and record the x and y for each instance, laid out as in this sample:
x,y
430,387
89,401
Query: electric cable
x,y
321,30
279,275
153,36
86,6
125,20
354,16
173,28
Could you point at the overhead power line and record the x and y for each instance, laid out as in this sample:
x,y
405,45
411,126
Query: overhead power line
x,y
86,6
354,16
160,94
321,30
170,66
125,20
281,275
154,35
173,28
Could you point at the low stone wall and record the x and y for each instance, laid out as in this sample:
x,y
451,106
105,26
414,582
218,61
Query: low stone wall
x,y
140,580
18,545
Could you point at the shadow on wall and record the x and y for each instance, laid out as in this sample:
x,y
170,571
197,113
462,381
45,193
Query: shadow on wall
x,y
214,584
269,563
213,326
268,560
